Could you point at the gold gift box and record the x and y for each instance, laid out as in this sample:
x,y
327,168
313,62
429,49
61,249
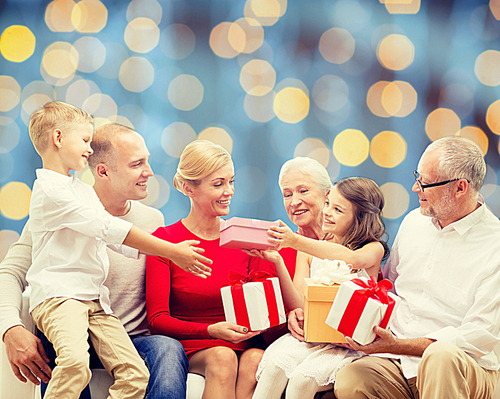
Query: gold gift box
x,y
318,299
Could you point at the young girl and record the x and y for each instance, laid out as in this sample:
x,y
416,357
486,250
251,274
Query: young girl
x,y
354,230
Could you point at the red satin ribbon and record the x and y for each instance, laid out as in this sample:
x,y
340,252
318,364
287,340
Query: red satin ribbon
x,y
239,305
236,280
272,303
357,303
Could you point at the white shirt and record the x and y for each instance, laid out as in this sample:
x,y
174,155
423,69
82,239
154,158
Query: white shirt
x,y
449,283
70,229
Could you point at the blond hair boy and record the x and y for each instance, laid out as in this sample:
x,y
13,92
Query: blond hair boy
x,y
70,231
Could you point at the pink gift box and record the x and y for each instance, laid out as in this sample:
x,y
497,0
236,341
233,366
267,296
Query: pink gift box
x,y
244,233
358,308
257,305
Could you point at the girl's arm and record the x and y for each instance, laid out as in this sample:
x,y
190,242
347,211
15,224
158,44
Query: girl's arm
x,y
368,257
302,271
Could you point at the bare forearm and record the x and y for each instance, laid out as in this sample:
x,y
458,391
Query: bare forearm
x,y
386,342
411,347
183,254
363,258
148,244
291,296
324,249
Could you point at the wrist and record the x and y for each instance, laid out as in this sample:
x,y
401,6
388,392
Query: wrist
x,y
210,331
296,241
11,329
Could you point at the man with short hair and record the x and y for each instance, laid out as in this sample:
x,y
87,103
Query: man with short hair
x,y
445,266
121,171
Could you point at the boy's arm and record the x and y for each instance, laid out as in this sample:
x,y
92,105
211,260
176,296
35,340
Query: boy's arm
x,y
59,209
26,355
183,254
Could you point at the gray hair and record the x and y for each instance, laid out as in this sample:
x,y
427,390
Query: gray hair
x,y
309,167
460,158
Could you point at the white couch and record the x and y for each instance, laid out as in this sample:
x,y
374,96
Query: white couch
x,y
12,388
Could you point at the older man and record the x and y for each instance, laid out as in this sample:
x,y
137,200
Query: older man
x,y
121,170
445,266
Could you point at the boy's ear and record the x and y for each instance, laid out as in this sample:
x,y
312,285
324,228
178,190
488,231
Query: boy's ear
x,y
102,171
57,138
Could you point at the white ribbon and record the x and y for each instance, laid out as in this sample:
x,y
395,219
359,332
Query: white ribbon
x,y
331,272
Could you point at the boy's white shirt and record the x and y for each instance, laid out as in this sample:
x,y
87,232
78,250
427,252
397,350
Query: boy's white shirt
x,y
70,230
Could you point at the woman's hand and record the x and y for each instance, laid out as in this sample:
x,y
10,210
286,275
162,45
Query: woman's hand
x,y
296,323
270,255
281,235
230,332
189,258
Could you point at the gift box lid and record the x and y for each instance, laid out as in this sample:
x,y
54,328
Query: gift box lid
x,y
244,222
319,292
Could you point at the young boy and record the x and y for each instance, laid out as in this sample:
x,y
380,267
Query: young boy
x,y
70,230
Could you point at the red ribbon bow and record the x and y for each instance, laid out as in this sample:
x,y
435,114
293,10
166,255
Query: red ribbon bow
x,y
236,281
235,278
374,289
355,307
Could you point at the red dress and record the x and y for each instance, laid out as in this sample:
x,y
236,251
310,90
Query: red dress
x,y
182,305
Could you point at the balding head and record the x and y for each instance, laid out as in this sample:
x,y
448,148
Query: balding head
x,y
104,144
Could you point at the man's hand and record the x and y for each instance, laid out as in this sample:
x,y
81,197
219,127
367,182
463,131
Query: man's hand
x,y
296,323
26,355
386,342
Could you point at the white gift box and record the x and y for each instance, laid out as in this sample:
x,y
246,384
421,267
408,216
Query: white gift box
x,y
355,315
249,305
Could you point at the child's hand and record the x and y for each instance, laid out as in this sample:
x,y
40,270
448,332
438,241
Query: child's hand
x,y
189,258
282,236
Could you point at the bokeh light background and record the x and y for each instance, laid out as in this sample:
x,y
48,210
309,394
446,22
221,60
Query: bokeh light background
x,y
363,86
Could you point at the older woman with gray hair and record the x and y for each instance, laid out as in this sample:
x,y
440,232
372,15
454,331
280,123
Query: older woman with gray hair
x,y
305,185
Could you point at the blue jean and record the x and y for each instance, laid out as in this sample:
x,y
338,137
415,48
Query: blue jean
x,y
167,363
164,356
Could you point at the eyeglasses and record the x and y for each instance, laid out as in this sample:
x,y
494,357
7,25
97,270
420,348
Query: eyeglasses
x,y
440,183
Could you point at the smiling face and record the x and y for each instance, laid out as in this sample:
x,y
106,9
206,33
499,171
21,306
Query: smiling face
x,y
129,170
213,194
75,146
437,202
338,214
303,199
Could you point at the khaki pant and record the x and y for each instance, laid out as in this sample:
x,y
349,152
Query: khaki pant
x,y
67,323
444,372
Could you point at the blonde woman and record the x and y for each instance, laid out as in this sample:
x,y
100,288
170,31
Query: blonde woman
x,y
189,310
